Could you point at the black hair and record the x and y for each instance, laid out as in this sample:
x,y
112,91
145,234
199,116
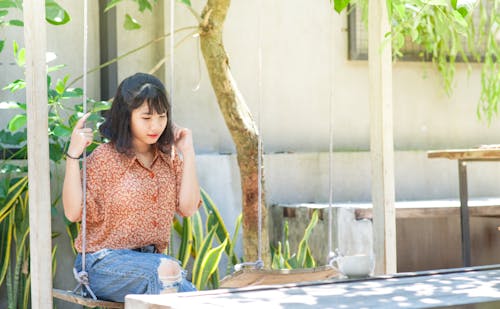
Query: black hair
x,y
132,92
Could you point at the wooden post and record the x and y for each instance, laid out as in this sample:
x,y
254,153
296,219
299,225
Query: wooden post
x,y
35,39
381,138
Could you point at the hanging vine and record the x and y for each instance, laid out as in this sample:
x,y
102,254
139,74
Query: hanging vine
x,y
447,31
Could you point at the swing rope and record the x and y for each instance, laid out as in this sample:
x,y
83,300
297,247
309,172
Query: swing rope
x,y
331,254
82,277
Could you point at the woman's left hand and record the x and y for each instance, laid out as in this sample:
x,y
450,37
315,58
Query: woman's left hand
x,y
183,139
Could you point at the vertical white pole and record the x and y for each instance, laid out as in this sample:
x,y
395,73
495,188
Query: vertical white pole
x,y
381,138
35,39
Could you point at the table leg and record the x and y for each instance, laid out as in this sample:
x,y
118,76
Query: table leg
x,y
464,212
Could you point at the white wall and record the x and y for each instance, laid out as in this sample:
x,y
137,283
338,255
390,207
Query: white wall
x,y
304,70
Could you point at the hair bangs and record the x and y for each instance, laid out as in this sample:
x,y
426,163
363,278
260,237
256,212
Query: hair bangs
x,y
153,96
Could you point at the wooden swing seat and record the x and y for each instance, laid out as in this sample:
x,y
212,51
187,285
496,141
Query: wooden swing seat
x,y
71,297
251,277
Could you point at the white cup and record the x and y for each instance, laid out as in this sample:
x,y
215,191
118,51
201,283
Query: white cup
x,y
355,266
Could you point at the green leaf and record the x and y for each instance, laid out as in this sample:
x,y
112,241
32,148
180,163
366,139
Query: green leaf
x,y
204,249
15,22
130,23
15,85
216,220
197,232
303,245
454,4
2,44
14,139
6,232
55,14
17,122
61,130
144,4
60,86
99,106
111,4
55,68
186,2
72,93
186,241
210,264
3,13
340,5
21,57
56,153
4,4
463,11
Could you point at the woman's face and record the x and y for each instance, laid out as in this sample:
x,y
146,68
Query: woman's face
x,y
146,126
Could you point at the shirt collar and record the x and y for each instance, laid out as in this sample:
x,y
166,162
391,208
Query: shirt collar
x,y
128,160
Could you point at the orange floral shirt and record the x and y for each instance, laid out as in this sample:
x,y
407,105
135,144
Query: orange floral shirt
x,y
130,205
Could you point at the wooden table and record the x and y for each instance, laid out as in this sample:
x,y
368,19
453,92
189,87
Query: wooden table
x,y
456,288
485,153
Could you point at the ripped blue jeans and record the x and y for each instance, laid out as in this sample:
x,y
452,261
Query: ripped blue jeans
x,y
114,273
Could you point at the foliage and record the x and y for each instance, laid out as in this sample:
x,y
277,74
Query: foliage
x,y
197,241
282,258
447,32
14,223
54,14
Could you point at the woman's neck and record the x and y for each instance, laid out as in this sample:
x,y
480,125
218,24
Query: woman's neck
x,y
143,149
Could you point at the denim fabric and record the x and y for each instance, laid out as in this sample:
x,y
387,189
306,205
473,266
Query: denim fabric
x,y
114,273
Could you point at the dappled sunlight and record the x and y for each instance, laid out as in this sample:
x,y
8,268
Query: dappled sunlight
x,y
418,290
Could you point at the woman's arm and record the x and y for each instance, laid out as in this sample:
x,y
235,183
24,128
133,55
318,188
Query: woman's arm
x,y
72,187
189,193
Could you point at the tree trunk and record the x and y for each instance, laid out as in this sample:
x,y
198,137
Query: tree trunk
x,y
240,124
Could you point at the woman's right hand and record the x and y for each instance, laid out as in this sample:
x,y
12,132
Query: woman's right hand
x,y
80,138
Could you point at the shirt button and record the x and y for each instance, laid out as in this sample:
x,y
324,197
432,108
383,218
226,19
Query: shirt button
x,y
152,175
155,198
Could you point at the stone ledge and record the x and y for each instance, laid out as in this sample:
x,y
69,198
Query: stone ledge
x,y
478,207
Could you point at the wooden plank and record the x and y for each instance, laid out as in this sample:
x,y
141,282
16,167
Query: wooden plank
x,y
381,138
253,277
466,154
71,297
35,39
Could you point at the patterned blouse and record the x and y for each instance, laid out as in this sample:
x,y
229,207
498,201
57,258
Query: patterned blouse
x,y
130,205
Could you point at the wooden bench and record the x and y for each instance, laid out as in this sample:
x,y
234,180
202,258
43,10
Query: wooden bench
x,y
71,297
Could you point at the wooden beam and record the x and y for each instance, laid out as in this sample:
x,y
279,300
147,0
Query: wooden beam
x,y
35,38
381,138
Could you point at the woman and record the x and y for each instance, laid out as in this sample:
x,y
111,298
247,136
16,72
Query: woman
x,y
135,184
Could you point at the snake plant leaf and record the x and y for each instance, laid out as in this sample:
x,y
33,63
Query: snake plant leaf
x,y
209,265
310,262
186,242
197,232
13,194
303,245
215,219
204,249
6,232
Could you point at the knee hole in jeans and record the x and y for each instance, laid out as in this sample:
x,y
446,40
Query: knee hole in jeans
x,y
170,275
